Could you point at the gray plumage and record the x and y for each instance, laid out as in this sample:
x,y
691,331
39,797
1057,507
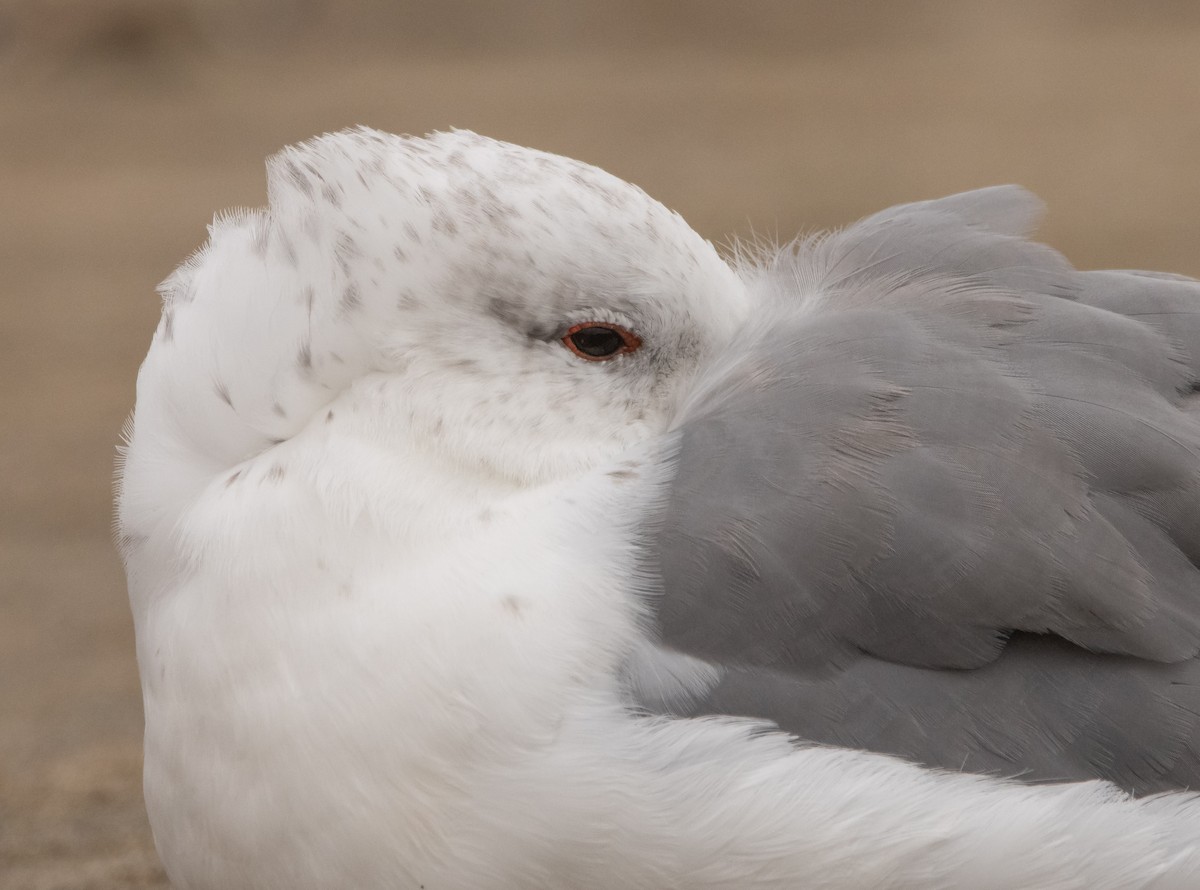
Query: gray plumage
x,y
944,502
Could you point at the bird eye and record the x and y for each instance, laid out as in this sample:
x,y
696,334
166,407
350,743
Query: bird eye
x,y
598,341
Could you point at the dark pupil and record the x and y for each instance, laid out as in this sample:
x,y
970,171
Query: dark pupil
x,y
597,341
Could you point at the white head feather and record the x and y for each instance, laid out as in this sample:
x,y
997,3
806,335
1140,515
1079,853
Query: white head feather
x,y
447,269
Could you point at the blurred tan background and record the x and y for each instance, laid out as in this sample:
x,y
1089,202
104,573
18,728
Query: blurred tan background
x,y
125,123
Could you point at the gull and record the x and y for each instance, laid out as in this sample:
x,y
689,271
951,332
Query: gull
x,y
485,528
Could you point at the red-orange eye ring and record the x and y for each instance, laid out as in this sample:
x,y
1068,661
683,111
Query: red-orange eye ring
x,y
599,341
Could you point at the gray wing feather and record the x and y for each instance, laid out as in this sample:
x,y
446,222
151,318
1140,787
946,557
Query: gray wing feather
x,y
936,436
1045,711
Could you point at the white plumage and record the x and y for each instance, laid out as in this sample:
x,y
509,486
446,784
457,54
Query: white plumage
x,y
381,530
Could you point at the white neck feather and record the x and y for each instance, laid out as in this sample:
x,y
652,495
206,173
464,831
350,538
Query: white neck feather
x,y
406,679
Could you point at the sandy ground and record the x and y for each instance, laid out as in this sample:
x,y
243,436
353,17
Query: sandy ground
x,y
124,125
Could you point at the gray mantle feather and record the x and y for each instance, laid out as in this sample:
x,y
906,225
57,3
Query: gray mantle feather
x,y
944,501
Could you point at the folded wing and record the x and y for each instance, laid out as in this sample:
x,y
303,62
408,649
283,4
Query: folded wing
x,y
943,500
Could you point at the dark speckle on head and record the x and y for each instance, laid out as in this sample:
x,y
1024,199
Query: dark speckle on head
x,y
289,250
497,214
128,541
444,224
296,177
586,182
167,328
278,410
621,475
332,195
234,477
310,226
376,164
511,604
329,416
407,301
504,311
351,299
466,198
346,250
304,356
277,473
223,393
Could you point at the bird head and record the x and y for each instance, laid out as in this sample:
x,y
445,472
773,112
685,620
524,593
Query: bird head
x,y
517,313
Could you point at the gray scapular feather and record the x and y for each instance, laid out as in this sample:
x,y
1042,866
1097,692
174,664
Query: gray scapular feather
x,y
943,501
